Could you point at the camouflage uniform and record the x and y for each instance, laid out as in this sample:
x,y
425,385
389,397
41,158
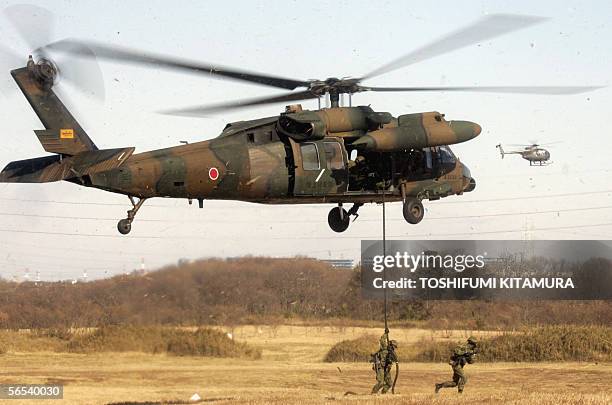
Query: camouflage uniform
x,y
383,359
462,355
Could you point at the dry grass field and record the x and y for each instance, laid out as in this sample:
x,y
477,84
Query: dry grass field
x,y
291,371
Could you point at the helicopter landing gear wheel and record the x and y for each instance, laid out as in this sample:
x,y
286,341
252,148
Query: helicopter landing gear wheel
x,y
124,226
413,210
338,219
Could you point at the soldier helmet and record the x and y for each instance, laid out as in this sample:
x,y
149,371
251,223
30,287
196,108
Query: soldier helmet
x,y
393,343
472,340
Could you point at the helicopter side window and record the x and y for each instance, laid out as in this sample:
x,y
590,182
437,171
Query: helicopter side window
x,y
310,156
292,126
333,154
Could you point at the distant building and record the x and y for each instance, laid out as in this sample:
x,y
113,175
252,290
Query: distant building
x,y
184,261
340,263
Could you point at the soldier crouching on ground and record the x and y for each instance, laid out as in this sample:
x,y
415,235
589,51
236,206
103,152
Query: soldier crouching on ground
x,y
383,359
461,356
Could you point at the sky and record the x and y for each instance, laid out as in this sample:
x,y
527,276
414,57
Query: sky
x,y
61,230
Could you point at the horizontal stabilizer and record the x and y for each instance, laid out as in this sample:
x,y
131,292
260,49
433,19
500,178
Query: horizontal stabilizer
x,y
63,141
37,170
54,168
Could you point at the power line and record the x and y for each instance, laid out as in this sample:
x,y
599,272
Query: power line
x,y
14,214
580,193
115,252
499,214
526,197
191,237
572,173
127,256
477,233
51,266
83,202
89,235
36,254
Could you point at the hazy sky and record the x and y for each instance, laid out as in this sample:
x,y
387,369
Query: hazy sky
x,y
60,229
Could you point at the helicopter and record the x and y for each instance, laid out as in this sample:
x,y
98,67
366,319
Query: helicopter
x,y
338,155
534,153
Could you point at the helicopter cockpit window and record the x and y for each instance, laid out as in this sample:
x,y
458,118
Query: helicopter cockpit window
x,y
333,154
446,155
310,156
428,159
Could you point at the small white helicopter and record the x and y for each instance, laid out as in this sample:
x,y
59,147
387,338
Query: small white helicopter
x,y
534,153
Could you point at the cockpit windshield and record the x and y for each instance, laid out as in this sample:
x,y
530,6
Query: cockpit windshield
x,y
447,155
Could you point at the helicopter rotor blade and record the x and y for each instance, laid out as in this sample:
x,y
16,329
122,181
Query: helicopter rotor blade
x,y
201,111
84,74
137,57
35,25
550,90
486,28
549,143
9,60
533,143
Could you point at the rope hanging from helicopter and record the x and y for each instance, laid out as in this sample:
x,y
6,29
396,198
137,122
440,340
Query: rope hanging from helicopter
x,y
384,244
385,306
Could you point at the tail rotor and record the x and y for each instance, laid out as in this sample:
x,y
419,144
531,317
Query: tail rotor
x,y
501,150
35,27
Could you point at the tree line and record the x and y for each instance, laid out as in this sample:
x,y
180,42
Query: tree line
x,y
257,290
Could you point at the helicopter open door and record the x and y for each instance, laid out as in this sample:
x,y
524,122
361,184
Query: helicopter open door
x,y
320,167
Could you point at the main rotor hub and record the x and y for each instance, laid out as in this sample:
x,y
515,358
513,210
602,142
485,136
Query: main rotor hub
x,y
334,86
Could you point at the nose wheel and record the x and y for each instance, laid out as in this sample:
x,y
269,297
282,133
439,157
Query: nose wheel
x,y
339,218
125,225
413,210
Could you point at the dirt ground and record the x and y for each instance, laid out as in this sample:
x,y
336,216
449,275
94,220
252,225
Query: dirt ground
x,y
291,371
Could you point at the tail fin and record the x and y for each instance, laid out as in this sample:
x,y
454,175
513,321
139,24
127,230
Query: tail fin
x,y
78,156
501,150
62,133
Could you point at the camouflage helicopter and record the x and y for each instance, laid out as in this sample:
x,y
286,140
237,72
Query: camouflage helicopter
x,y
534,153
338,155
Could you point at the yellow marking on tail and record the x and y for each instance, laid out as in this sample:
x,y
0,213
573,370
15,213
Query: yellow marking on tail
x,y
66,133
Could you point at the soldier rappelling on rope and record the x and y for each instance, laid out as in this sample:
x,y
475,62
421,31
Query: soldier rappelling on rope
x,y
383,361
385,357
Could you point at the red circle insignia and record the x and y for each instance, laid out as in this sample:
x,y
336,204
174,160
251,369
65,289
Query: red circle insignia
x,y
213,173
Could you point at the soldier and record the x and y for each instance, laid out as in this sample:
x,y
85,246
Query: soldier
x,y
358,171
383,359
461,356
